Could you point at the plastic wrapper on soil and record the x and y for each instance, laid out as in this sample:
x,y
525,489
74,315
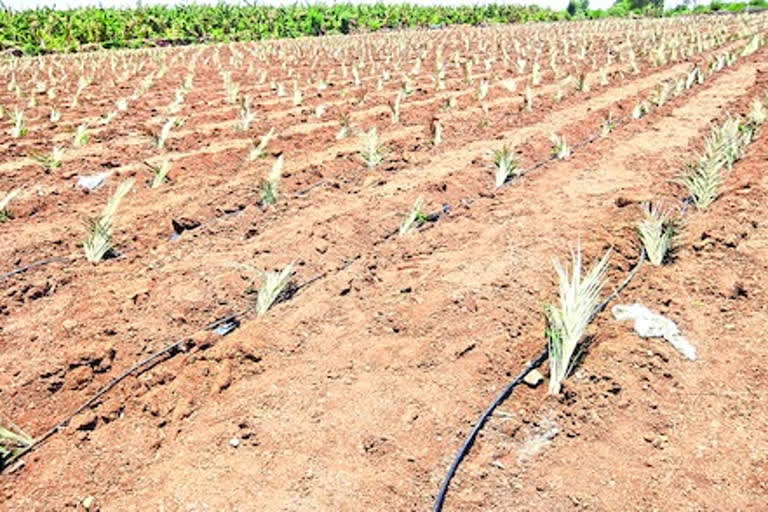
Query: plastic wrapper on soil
x,y
649,324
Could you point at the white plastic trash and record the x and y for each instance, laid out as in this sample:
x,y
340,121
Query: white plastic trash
x,y
649,324
93,181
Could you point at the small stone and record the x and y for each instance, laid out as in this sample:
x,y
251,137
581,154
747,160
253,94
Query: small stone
x,y
69,324
234,442
88,503
86,421
533,378
184,224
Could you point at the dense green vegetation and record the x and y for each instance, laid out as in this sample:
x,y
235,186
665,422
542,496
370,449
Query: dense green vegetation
x,y
43,30
47,30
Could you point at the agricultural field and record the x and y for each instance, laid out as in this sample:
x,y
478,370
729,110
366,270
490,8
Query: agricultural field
x,y
292,274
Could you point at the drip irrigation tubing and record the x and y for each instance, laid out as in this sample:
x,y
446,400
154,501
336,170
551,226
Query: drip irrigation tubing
x,y
173,346
587,140
539,359
38,263
114,382
144,365
507,391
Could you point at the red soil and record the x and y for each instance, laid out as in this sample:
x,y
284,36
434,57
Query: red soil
x,y
357,392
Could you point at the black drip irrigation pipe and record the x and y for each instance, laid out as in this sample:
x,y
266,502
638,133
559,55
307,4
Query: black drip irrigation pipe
x,y
39,263
114,382
470,439
119,255
588,140
173,237
228,323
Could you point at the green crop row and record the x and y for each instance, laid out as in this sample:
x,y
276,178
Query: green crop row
x,y
45,30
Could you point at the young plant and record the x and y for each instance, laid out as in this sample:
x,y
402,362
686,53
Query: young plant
x,y
50,162
437,132
273,284
246,115
165,131
603,72
528,99
260,150
679,87
372,151
297,96
269,185
159,174
752,46
727,142
407,87
656,231
639,110
356,76
99,229
558,94
505,166
482,90
439,78
81,136
395,108
468,72
344,127
108,117
413,219
581,84
703,180
175,105
757,112
690,79
510,85
536,73
11,443
5,213
560,148
661,94
633,62
607,126
55,115
231,89
567,322
19,128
